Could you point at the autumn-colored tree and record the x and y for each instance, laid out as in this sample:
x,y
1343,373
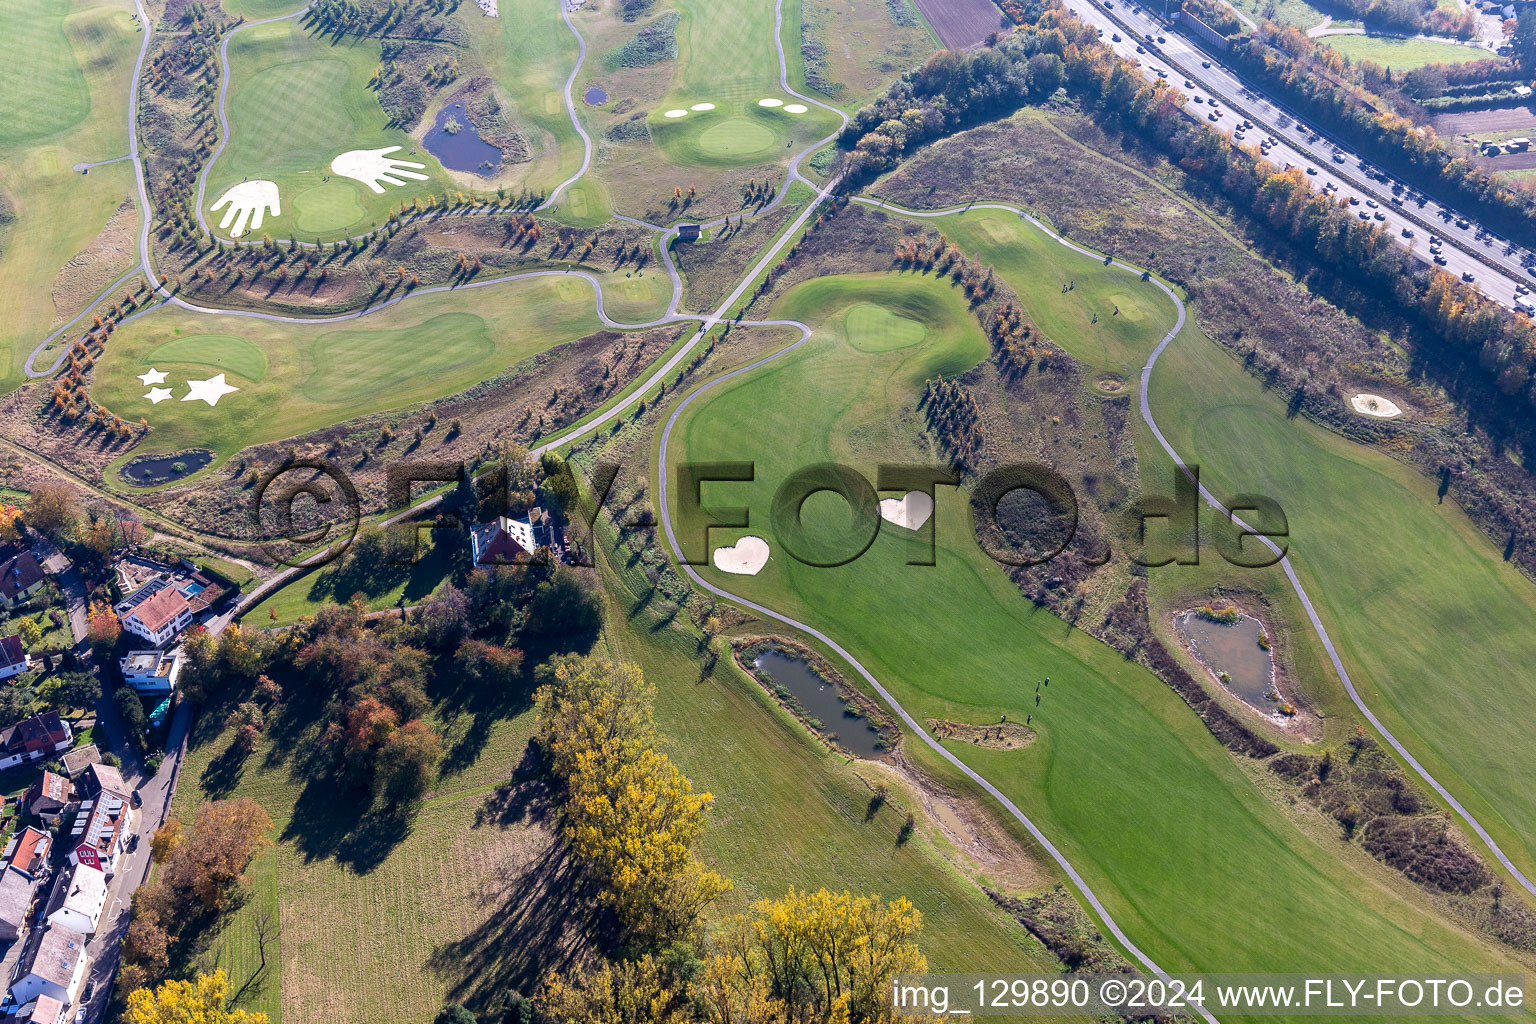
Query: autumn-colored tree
x,y
165,841
628,992
98,533
593,707
10,523
52,507
817,956
406,763
200,1001
103,627
226,834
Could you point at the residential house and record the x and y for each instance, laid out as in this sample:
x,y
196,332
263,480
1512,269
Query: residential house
x,y
33,738
103,778
49,797
81,758
42,1010
100,830
26,865
20,577
155,612
507,541
77,905
53,967
14,659
152,671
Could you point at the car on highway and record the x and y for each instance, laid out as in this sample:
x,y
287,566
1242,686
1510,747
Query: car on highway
x,y
1531,271
1161,39
1311,170
1204,63
1373,204
1115,36
1364,215
1199,99
1462,222
1467,276
1338,158
1380,216
1439,258
1354,200
1212,116
1188,84
1140,48
1407,232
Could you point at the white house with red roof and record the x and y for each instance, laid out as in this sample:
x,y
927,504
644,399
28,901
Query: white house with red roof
x,y
14,659
100,831
507,541
156,612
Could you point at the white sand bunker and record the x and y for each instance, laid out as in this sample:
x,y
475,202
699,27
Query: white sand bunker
x,y
1375,405
909,512
770,103
745,558
676,113
702,106
796,108
489,7
249,200
372,166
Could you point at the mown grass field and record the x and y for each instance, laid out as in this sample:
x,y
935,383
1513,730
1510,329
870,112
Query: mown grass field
x,y
1434,626
316,375
1195,862
530,52
64,75
1404,54
381,587
296,101
383,928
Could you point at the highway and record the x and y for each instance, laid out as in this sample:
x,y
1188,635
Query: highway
x,y
1497,267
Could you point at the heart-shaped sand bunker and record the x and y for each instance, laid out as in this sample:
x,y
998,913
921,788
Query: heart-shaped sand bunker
x,y
909,512
744,558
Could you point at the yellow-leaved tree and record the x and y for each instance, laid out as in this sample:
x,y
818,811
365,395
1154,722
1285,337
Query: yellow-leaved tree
x,y
201,1001
813,956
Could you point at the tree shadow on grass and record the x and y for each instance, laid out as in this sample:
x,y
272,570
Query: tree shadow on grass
x,y
223,773
546,917
334,820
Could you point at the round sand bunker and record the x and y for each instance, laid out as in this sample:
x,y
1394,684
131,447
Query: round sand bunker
x,y
702,106
796,108
770,103
745,558
1375,405
676,113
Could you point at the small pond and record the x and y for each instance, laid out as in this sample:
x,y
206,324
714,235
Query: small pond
x,y
1233,652
456,143
153,470
594,97
818,699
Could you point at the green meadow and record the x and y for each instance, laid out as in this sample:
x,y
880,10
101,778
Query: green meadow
x,y
1437,631
64,79
530,52
296,101
1404,54
299,377
375,926
1200,868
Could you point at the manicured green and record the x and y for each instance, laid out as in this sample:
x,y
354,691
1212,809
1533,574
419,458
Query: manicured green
x,y
297,101
530,52
64,79
42,89
1404,54
318,374
226,352
738,132
1195,862
1435,627
874,328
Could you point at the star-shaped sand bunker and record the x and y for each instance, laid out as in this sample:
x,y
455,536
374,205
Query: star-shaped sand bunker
x,y
158,395
210,390
154,376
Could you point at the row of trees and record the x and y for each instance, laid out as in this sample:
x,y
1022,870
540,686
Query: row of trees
x,y
632,819
1318,81
1472,329
198,879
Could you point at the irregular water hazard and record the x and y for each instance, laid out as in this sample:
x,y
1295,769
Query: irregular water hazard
x,y
819,701
594,97
458,146
1236,653
153,470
